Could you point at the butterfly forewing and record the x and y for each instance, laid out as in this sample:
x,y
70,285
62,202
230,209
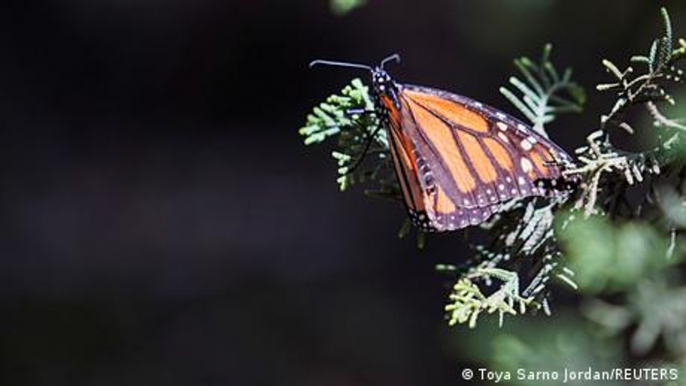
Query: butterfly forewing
x,y
440,172
464,158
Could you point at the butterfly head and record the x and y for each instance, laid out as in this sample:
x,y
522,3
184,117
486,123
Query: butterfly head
x,y
385,89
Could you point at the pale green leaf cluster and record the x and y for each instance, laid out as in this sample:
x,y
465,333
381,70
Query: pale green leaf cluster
x,y
331,117
467,301
357,134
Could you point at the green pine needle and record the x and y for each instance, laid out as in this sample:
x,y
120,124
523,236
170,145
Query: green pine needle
x,y
542,94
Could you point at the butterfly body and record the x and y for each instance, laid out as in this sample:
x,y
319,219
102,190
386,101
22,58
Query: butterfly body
x,y
457,160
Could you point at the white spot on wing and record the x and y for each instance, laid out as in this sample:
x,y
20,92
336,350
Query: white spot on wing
x,y
527,166
526,145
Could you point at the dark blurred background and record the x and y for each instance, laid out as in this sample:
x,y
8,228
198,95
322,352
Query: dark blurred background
x,y
162,223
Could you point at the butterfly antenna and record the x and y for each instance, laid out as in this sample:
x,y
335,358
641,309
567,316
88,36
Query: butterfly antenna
x,y
394,57
339,64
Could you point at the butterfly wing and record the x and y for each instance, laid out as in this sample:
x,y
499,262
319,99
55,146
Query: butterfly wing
x,y
407,169
468,157
425,197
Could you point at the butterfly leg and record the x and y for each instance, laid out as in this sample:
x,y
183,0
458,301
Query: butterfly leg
x,y
370,141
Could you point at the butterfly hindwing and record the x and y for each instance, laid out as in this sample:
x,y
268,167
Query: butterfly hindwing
x,y
407,171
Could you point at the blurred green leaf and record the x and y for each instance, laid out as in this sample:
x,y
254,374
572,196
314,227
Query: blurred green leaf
x,y
342,7
661,312
654,309
607,257
541,344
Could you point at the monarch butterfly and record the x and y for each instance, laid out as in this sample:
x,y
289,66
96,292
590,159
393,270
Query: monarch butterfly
x,y
457,160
